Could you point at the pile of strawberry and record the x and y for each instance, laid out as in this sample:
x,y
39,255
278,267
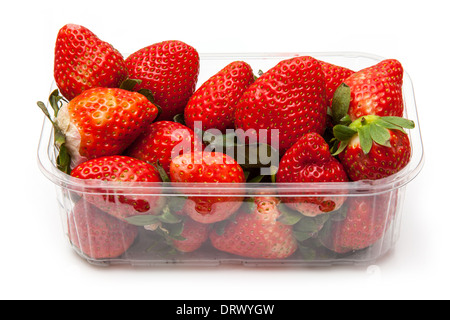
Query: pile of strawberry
x,y
123,121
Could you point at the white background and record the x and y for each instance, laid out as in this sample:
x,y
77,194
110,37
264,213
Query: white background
x,y
36,262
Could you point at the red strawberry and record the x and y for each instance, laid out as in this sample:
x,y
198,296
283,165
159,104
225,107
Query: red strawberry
x,y
367,219
213,104
334,77
122,169
83,61
97,234
310,160
168,69
162,141
194,234
374,147
208,167
99,122
257,233
290,97
376,90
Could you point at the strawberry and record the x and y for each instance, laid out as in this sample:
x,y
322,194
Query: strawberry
x,y
194,234
256,233
366,220
367,110
83,61
373,147
288,101
97,234
376,90
99,122
162,141
169,69
213,104
310,160
208,167
121,169
334,77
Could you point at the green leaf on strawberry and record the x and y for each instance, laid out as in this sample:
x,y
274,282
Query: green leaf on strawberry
x,y
168,217
304,227
370,128
309,227
166,224
63,159
175,230
379,135
341,101
179,118
56,101
399,122
288,216
365,139
343,133
161,171
144,220
129,84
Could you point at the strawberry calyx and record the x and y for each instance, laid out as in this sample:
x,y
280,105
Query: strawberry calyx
x,y
162,173
129,84
340,105
304,227
56,101
259,74
369,129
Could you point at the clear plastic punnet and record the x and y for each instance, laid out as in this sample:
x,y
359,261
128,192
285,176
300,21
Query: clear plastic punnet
x,y
289,239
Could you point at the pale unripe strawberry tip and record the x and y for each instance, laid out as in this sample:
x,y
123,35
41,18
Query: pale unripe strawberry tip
x,y
73,137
